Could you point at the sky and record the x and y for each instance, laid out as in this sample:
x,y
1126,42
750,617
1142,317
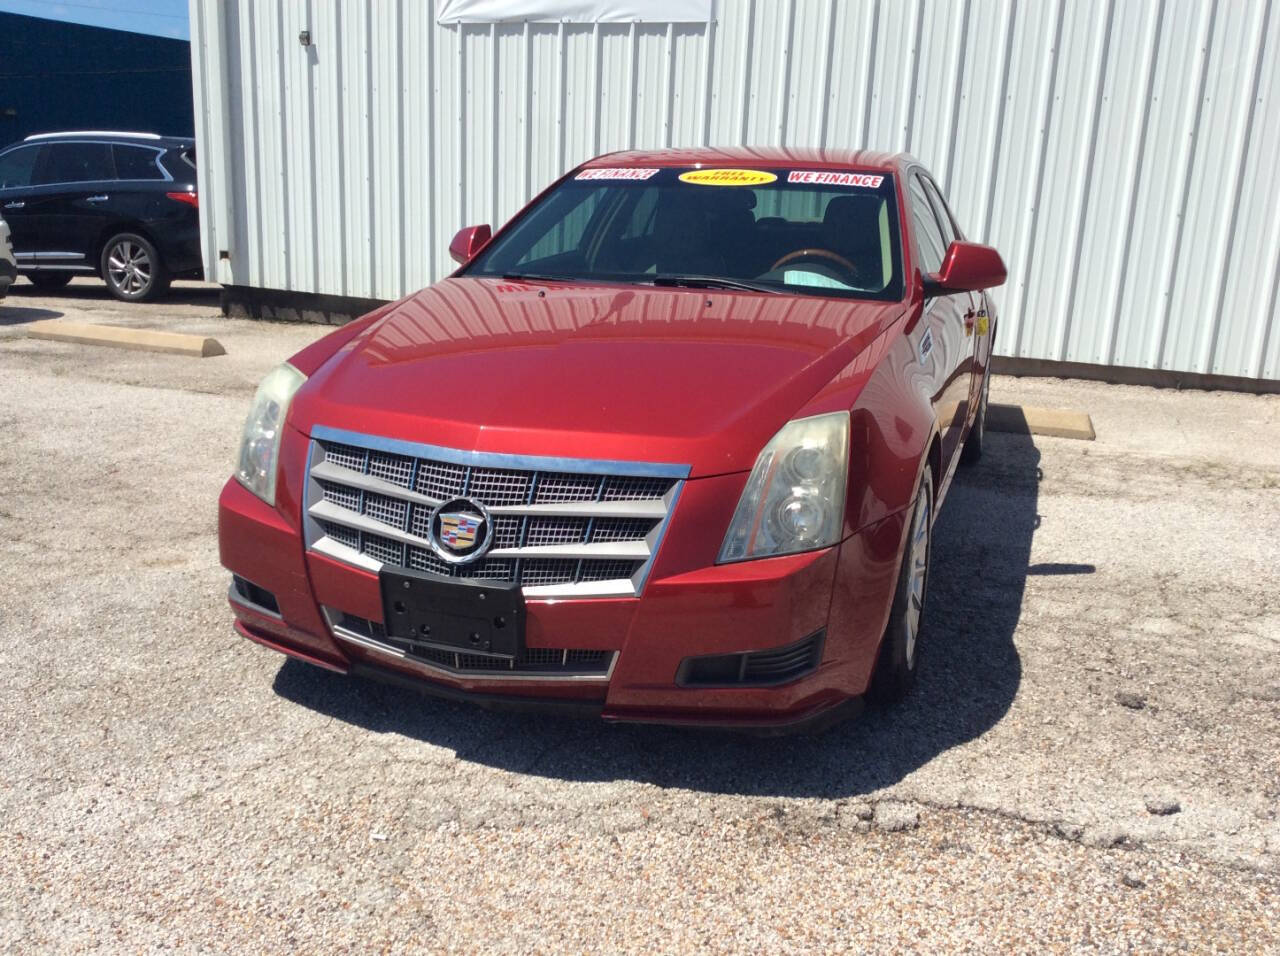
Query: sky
x,y
166,18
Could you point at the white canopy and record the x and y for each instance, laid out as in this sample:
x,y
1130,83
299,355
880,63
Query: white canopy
x,y
577,11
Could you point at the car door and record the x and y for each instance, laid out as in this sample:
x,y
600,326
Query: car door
x,y
945,348
17,170
71,193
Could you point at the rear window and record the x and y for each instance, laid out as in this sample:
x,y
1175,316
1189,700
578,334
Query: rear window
x,y
136,162
808,232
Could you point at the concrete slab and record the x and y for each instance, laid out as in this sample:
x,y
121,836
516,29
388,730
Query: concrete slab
x,y
147,340
1021,721
1026,420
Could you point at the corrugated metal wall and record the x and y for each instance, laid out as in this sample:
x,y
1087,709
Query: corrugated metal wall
x,y
1120,153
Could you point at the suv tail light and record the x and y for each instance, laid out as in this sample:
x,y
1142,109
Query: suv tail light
x,y
191,199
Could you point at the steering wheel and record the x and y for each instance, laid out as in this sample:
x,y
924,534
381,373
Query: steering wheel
x,y
840,260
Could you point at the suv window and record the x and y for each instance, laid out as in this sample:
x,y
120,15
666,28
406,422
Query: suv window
x,y
929,239
74,163
17,165
136,162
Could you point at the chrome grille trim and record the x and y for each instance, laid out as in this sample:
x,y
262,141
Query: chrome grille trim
x,y
562,527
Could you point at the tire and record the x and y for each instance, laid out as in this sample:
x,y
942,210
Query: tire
x,y
971,453
900,650
133,269
49,280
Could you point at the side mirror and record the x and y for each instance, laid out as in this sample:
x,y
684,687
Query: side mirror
x,y
468,242
967,267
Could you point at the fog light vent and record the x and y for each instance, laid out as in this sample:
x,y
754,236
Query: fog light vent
x,y
754,668
250,593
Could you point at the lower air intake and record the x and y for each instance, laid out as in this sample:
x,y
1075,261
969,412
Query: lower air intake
x,y
548,662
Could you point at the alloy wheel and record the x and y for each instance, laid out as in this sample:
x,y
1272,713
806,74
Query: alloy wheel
x,y
917,570
129,267
982,405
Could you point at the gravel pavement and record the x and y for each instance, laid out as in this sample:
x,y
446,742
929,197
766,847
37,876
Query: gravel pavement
x,y
1091,759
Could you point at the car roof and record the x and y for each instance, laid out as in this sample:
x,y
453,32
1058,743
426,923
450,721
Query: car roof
x,y
142,139
757,156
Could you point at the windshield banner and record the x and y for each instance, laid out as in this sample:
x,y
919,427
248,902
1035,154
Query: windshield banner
x,y
832,178
624,172
727,177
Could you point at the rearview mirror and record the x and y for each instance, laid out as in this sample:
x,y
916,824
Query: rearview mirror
x,y
967,267
468,242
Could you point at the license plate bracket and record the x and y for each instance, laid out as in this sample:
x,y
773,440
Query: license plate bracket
x,y
451,614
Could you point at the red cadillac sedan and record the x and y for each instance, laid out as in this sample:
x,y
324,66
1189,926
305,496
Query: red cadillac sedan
x,y
667,447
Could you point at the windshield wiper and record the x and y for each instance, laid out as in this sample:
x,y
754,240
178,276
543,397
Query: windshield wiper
x,y
711,282
662,279
535,277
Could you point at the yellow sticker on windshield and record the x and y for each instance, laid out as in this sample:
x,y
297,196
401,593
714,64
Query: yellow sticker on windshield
x,y
727,177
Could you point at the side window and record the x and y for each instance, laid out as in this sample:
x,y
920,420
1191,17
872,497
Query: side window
x,y
136,162
640,220
75,163
945,219
568,233
17,166
929,239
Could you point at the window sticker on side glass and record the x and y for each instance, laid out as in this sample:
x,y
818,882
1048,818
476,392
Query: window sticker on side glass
x,y
833,178
626,172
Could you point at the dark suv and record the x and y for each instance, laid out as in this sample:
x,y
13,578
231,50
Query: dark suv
x,y
119,205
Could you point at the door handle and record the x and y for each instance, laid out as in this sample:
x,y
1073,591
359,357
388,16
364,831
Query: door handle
x,y
100,198
14,205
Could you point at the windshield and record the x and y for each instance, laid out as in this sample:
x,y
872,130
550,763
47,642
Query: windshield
x,y
805,232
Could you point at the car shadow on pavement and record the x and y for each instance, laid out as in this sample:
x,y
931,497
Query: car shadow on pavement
x,y
970,672
11,313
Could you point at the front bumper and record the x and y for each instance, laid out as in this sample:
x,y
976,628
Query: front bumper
x,y
843,592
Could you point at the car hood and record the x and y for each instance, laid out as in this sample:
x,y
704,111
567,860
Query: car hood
x,y
702,378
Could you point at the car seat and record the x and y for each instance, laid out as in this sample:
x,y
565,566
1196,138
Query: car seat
x,y
686,242
851,228
733,230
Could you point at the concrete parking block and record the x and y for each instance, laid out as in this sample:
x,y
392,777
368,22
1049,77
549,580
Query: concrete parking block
x,y
147,340
1056,422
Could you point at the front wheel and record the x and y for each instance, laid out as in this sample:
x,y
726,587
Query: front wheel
x,y
899,651
133,269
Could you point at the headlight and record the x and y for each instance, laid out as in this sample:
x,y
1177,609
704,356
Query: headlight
x,y
260,442
794,499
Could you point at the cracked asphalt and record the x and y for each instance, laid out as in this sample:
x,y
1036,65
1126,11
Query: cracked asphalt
x,y
1091,760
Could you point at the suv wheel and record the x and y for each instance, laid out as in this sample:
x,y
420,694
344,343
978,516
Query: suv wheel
x,y
133,269
49,280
